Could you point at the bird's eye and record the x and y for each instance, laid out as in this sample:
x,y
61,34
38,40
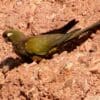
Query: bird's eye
x,y
9,34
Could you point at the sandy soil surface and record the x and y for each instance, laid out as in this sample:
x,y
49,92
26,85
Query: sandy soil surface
x,y
73,75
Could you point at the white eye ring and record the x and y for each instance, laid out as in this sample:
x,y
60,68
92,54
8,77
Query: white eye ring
x,y
9,34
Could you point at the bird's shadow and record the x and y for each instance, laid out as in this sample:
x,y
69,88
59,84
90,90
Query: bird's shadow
x,y
11,62
64,28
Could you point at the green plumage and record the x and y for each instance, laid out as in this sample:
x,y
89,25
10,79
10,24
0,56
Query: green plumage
x,y
42,44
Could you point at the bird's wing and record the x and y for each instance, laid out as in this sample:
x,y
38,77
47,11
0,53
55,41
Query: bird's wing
x,y
41,44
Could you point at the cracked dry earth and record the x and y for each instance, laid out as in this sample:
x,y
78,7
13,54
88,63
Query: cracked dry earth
x,y
71,75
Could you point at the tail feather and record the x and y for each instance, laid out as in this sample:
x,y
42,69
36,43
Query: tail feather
x,y
76,33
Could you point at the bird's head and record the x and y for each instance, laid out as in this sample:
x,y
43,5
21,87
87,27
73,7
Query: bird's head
x,y
13,36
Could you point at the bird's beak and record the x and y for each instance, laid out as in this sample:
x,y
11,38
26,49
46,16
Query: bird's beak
x,y
6,36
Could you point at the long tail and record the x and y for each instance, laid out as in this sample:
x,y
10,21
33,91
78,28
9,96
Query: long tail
x,y
78,32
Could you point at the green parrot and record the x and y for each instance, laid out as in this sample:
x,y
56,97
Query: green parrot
x,y
42,45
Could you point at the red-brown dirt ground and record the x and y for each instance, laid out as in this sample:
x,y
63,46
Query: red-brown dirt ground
x,y
73,75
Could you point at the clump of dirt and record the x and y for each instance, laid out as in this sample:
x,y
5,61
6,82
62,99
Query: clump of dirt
x,y
73,75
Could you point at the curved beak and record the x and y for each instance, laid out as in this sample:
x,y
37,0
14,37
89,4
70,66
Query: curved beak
x,y
6,37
